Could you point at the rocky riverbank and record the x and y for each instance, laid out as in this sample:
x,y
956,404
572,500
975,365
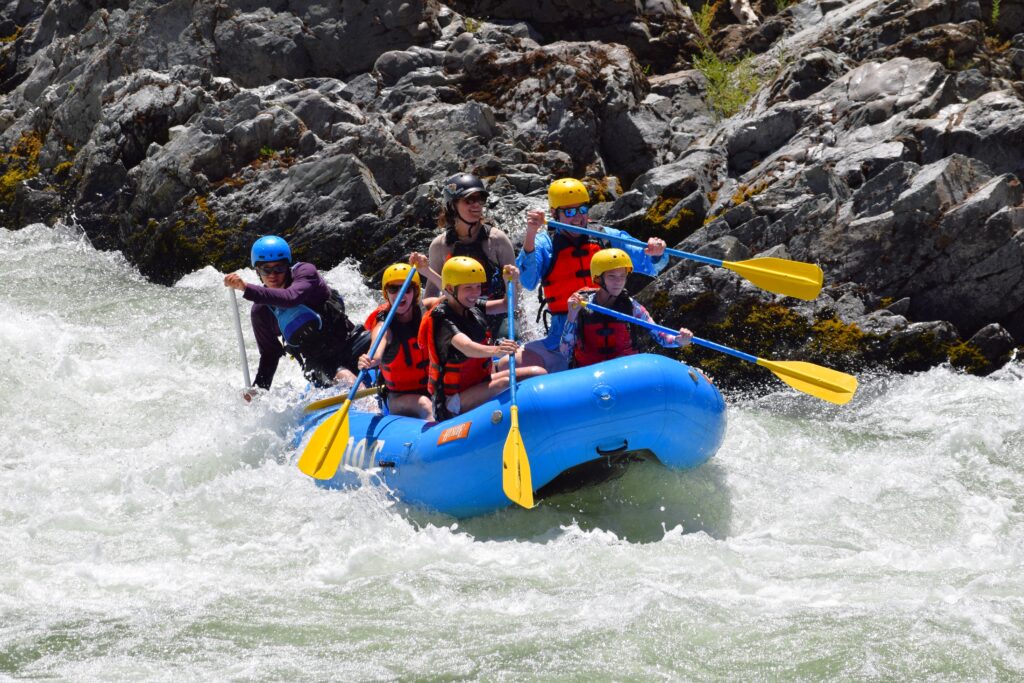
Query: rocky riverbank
x,y
881,139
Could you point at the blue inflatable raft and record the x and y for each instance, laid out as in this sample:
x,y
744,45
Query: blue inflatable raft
x,y
577,427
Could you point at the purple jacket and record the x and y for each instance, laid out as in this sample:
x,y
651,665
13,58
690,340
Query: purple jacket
x,y
305,286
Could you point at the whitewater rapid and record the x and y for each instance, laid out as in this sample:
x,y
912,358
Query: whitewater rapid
x,y
154,526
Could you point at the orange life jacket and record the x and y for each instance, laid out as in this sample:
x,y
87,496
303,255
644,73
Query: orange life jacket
x,y
449,369
404,363
568,272
600,337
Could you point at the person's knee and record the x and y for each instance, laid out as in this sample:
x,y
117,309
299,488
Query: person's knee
x,y
343,374
426,407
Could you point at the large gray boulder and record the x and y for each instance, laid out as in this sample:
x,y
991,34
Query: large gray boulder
x,y
884,144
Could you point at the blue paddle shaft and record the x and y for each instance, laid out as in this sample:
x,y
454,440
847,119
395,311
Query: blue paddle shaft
x,y
510,292
383,332
635,242
668,330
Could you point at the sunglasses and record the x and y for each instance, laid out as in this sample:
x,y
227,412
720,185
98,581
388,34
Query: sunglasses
x,y
394,289
272,270
475,199
571,213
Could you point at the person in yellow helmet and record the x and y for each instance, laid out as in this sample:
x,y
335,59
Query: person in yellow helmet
x,y
460,344
560,262
590,337
403,363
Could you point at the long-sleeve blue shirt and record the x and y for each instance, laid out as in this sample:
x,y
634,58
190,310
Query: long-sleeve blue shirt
x,y
533,265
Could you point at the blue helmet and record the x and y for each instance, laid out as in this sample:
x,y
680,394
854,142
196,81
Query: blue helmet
x,y
270,248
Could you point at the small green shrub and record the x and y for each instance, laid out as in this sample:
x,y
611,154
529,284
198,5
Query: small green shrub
x,y
731,83
704,17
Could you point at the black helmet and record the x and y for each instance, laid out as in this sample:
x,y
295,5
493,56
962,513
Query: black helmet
x,y
461,185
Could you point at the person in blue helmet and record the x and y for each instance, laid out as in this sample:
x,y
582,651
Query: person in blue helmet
x,y
297,305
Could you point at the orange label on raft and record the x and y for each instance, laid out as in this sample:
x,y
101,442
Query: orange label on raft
x,y
454,433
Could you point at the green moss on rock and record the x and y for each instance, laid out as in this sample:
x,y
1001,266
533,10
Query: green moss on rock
x,y
18,165
969,358
915,354
839,345
168,249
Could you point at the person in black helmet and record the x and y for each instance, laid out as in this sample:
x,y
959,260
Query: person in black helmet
x,y
465,233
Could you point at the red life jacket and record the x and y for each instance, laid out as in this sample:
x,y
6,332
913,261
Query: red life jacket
x,y
600,337
568,272
404,363
449,369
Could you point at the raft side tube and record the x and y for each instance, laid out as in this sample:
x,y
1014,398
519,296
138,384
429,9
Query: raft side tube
x,y
643,403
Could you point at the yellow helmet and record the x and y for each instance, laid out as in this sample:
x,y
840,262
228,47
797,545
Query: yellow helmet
x,y
462,270
567,192
397,272
609,259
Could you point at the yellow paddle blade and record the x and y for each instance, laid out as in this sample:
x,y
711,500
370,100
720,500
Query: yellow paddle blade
x,y
791,278
335,400
515,467
827,384
323,453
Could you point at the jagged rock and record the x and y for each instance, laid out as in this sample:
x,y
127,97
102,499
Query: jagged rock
x,y
971,84
680,99
807,76
882,322
660,34
319,39
849,307
899,307
885,144
261,46
394,64
321,112
995,345
937,210
394,166
442,136
697,171
726,248
990,129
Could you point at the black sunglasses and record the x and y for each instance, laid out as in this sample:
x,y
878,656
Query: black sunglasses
x,y
265,269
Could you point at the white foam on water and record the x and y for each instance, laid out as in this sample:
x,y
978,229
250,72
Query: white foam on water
x,y
155,527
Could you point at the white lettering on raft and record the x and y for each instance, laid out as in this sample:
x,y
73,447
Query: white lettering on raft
x,y
362,454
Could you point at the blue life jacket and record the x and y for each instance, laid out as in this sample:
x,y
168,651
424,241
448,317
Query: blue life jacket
x,y
296,322
313,334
